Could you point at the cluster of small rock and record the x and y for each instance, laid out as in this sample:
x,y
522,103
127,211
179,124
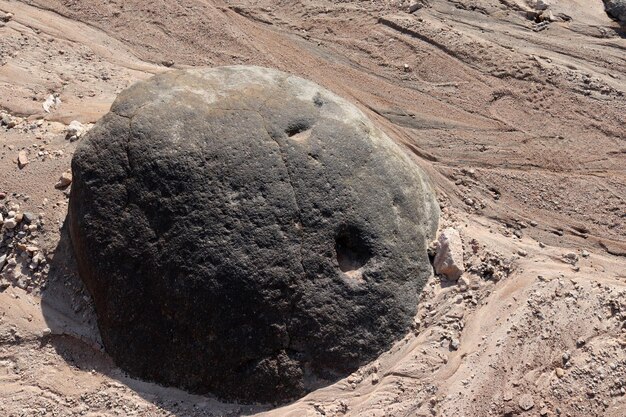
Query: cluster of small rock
x,y
22,262
74,131
40,151
465,179
542,12
491,266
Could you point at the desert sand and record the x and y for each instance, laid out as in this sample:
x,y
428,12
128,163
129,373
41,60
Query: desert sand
x,y
519,123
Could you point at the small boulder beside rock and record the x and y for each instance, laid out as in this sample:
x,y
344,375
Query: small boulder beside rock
x,y
449,257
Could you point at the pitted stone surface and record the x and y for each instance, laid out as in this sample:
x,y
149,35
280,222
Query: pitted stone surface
x,y
246,232
616,9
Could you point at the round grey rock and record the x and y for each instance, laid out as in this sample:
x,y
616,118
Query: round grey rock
x,y
616,9
246,232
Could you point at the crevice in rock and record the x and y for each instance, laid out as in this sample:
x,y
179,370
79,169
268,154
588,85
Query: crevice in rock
x,y
283,157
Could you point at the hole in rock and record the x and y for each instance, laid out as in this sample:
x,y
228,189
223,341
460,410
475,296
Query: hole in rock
x,y
295,128
299,131
352,251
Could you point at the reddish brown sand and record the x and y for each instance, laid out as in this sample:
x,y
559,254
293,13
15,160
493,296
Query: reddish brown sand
x,y
521,131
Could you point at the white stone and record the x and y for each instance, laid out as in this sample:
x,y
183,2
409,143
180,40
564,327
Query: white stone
x,y
449,257
51,102
10,223
75,130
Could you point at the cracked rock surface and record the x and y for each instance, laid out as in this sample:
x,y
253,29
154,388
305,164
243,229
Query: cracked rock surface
x,y
246,232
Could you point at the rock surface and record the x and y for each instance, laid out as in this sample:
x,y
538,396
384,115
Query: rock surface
x,y
616,9
267,237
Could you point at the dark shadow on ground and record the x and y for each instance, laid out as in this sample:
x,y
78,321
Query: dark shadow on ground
x,y
68,311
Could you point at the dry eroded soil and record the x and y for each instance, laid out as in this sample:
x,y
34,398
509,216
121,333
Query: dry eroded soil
x,y
521,130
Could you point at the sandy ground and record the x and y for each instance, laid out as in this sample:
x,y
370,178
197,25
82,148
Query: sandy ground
x,y
521,130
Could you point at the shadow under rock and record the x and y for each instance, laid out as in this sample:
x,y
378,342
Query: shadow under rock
x,y
69,313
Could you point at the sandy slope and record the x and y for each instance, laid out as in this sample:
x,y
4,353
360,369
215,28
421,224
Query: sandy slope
x,y
516,127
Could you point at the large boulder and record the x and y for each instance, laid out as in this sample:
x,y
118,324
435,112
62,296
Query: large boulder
x,y
616,9
246,232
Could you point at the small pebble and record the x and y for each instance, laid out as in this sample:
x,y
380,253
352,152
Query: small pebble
x,y
526,402
455,344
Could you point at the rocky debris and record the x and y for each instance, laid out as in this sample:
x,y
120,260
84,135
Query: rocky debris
x,y
468,185
6,17
74,131
545,17
284,219
616,9
22,159
490,266
22,262
588,359
64,181
449,254
8,121
570,258
542,15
